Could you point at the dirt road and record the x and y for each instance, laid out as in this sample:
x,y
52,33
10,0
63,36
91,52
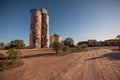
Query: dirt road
x,y
92,64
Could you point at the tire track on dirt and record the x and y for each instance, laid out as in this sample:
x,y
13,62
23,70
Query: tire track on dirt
x,y
73,71
107,69
90,70
91,64
59,68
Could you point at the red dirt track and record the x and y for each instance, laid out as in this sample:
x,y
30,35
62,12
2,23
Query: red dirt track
x,y
91,64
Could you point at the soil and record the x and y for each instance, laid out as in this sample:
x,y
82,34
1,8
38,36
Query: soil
x,y
98,63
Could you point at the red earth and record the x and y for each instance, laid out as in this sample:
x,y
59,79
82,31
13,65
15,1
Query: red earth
x,y
98,63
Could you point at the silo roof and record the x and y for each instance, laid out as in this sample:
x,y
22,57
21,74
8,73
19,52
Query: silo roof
x,y
56,35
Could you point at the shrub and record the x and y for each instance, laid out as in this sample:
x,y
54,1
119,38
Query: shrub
x,y
65,48
12,61
1,55
69,42
3,63
56,46
13,53
17,44
83,46
78,47
14,56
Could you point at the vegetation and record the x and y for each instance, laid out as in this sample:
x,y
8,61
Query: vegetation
x,y
83,46
57,47
118,37
92,43
2,45
78,47
7,46
95,43
69,42
13,60
13,53
68,46
111,42
119,40
65,48
16,44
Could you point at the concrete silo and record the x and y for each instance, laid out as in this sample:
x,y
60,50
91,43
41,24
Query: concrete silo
x,y
39,29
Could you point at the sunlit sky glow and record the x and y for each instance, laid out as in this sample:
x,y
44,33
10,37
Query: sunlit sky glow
x,y
78,19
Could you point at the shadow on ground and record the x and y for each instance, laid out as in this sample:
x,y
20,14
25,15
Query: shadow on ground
x,y
31,56
39,55
115,49
110,56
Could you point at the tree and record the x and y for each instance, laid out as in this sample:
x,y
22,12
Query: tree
x,y
92,43
2,45
101,43
17,44
111,42
69,42
118,37
84,46
57,46
82,42
119,40
7,46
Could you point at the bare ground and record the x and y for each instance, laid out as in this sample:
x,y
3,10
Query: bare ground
x,y
92,64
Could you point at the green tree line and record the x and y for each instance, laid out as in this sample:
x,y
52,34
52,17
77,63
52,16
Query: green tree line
x,y
95,43
16,44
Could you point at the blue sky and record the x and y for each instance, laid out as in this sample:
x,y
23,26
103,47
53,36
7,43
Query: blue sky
x,y
78,19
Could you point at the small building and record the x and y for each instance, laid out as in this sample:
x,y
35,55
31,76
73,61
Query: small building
x,y
55,38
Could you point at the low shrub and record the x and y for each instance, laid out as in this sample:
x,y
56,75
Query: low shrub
x,y
12,61
84,46
13,53
2,65
65,48
1,55
78,47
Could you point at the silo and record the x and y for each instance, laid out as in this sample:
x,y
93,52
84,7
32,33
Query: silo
x,y
35,29
39,29
45,28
